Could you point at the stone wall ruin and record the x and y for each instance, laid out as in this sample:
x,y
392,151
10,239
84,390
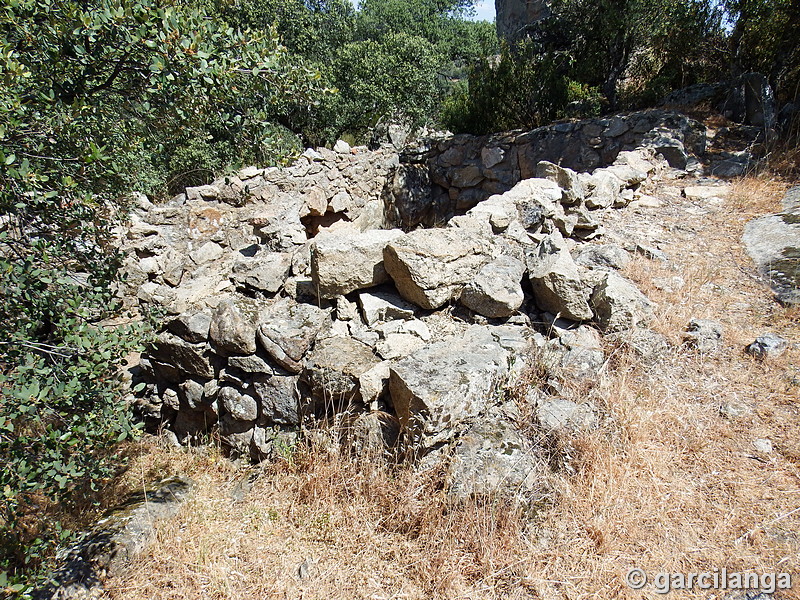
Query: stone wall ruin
x,y
322,291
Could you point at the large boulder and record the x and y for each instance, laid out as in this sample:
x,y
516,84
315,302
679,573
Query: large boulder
x,y
437,389
619,305
773,242
496,291
349,261
431,266
557,284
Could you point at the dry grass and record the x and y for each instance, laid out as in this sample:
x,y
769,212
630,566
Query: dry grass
x,y
669,484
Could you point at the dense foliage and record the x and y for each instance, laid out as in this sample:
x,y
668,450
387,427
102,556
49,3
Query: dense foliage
x,y
100,97
595,56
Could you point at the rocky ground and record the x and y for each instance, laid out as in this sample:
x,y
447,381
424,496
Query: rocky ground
x,y
687,461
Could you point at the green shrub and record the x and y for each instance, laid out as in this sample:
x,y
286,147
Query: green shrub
x,y
97,97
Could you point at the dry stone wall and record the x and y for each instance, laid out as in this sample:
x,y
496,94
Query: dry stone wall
x,y
292,296
440,178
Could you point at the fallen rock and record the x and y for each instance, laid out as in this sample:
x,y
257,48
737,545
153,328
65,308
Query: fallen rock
x,y
436,390
572,189
705,192
265,272
704,334
773,242
398,345
602,256
208,252
345,262
494,459
431,266
604,189
619,305
557,285
192,327
374,435
768,345
115,541
558,414
664,142
495,291
536,200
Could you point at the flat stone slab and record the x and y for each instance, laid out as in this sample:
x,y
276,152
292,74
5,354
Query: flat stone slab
x,y
773,242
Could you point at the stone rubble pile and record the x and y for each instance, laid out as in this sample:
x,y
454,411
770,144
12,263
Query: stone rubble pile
x,y
289,298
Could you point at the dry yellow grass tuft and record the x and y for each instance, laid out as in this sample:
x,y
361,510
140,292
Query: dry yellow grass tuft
x,y
672,482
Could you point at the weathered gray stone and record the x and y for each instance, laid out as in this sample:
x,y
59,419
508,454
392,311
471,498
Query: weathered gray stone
x,y
374,435
576,353
555,414
235,434
773,242
333,369
342,263
494,459
619,305
208,252
250,364
602,256
193,359
557,285
604,189
193,327
705,192
383,306
287,330
398,345
233,326
435,390
279,398
241,407
536,200
768,345
704,334
342,147
115,541
667,144
496,291
265,272
493,156
572,189
431,266
374,384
